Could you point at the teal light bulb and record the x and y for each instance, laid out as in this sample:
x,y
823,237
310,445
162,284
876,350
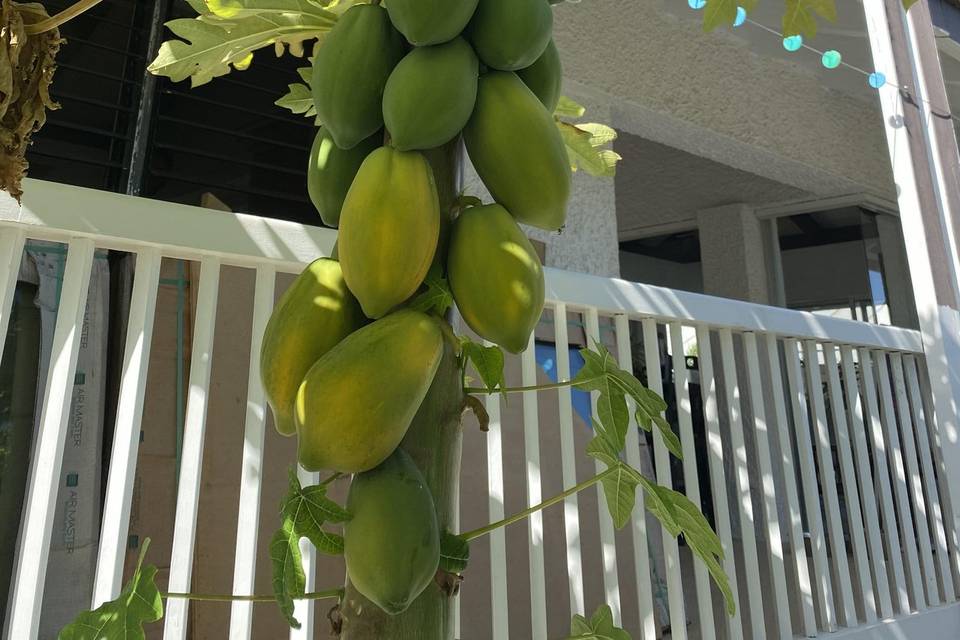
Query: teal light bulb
x,y
793,43
832,59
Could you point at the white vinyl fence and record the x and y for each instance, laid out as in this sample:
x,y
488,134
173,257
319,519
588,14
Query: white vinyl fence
x,y
810,442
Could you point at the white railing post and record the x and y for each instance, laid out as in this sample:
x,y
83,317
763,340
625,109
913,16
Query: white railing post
x,y
718,481
496,500
531,447
568,463
641,549
195,422
691,480
248,515
126,437
611,579
671,548
30,572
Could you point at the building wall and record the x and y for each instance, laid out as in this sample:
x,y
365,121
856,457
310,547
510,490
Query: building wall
x,y
711,95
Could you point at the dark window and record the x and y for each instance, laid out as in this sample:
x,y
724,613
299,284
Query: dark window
x,y
226,138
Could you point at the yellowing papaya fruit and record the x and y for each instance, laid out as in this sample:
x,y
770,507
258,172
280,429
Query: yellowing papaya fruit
x,y
426,22
356,402
517,150
430,95
350,71
389,229
511,34
313,315
496,276
391,543
545,77
330,172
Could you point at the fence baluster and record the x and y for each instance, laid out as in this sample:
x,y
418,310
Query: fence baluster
x,y
641,552
191,460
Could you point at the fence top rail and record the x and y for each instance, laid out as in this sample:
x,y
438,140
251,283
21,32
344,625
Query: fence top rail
x,y
58,212
614,297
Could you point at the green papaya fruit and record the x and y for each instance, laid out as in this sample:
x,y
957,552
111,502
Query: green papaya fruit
x,y
511,34
350,71
430,95
426,22
545,77
331,170
313,315
492,260
517,150
389,229
391,543
356,402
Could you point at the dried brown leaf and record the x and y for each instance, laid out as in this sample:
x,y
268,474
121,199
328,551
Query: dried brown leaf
x,y
27,65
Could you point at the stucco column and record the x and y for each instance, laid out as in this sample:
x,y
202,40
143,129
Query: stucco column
x,y
733,253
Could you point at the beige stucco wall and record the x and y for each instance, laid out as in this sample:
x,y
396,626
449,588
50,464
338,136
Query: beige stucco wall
x,y
711,95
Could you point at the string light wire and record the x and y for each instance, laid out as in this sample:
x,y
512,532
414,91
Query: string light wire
x,y
934,109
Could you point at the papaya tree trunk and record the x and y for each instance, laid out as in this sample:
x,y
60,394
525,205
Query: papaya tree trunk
x,y
434,442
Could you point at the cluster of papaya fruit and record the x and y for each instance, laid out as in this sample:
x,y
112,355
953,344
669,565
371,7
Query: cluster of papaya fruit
x,y
345,364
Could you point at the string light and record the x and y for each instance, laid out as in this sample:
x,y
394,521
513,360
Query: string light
x,y
830,59
741,17
793,43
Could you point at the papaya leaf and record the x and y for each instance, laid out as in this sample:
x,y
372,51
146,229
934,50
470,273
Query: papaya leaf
x,y
599,627
567,108
585,147
212,45
454,553
620,491
719,13
437,297
123,618
800,17
303,511
299,100
289,581
488,361
601,373
308,509
679,515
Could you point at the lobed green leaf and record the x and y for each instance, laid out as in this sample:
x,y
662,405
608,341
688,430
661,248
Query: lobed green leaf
x,y
289,580
585,147
303,512
225,36
436,297
124,617
567,108
600,626
488,361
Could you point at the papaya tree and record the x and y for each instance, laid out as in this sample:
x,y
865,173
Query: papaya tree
x,y
361,360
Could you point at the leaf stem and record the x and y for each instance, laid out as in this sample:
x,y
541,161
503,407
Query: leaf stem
x,y
538,387
67,14
448,333
217,597
334,477
517,517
